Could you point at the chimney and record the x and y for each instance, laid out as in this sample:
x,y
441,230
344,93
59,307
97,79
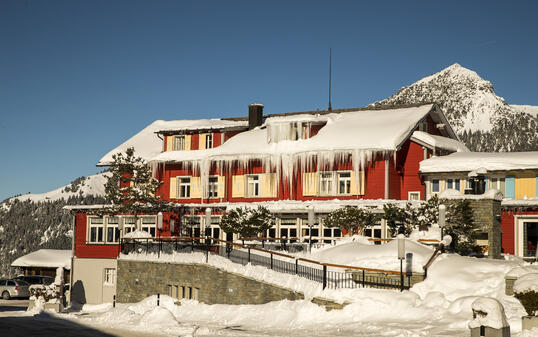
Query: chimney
x,y
255,115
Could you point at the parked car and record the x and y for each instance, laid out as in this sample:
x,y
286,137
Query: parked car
x,y
36,279
13,288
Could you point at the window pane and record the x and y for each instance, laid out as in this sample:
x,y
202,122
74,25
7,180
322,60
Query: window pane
x,y
435,185
457,184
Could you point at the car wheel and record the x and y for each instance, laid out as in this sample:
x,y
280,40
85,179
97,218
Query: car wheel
x,y
5,295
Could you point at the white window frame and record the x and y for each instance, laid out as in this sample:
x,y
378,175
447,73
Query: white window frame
x,y
209,141
179,143
254,181
413,193
346,180
96,226
115,230
213,187
150,228
326,183
129,227
438,185
109,276
187,186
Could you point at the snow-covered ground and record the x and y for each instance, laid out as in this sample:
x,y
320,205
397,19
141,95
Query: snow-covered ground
x,y
439,306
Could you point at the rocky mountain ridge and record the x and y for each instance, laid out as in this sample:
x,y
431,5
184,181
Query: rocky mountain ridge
x,y
482,120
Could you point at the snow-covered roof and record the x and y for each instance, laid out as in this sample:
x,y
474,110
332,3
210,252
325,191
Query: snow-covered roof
x,y
366,131
147,144
531,202
320,206
470,161
297,118
47,258
491,193
202,124
438,142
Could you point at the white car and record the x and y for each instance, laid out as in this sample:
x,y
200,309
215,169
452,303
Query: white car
x,y
13,288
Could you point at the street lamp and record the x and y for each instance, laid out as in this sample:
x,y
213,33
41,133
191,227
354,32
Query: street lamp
x,y
159,229
442,218
401,257
311,218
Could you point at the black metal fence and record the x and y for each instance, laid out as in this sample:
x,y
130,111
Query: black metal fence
x,y
328,275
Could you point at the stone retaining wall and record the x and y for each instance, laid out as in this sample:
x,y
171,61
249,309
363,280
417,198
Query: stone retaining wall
x,y
139,279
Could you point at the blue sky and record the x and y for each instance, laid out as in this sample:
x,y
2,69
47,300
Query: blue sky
x,y
77,78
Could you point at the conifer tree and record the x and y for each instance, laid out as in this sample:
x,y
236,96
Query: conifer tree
x,y
352,220
247,222
461,226
131,186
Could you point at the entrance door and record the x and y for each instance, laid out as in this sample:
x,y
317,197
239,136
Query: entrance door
x,y
530,238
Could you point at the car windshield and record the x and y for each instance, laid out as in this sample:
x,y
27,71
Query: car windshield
x,y
22,283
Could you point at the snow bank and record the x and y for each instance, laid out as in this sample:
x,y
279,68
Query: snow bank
x,y
522,270
48,258
491,161
488,312
383,256
433,233
460,276
527,282
138,234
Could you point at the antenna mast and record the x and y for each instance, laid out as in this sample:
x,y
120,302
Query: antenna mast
x,y
330,76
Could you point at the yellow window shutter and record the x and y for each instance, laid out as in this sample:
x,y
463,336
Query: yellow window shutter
x,y
222,186
273,185
525,185
201,142
309,183
238,186
173,188
187,142
196,187
355,183
361,191
169,143
268,185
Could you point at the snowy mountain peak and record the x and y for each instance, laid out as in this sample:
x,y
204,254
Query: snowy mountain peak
x,y
482,119
455,73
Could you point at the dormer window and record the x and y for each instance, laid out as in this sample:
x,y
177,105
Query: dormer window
x,y
277,132
423,126
179,143
209,141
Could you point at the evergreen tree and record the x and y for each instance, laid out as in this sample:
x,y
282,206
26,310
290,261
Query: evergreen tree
x,y
460,225
247,222
131,186
428,213
395,217
352,220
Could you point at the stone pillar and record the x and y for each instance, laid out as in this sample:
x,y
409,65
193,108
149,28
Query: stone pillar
x,y
489,319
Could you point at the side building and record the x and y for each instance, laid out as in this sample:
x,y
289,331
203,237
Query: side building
x,y
514,174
